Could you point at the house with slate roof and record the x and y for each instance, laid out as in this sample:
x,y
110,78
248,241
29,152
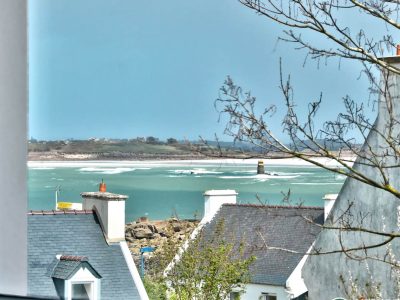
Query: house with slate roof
x,y
82,254
278,236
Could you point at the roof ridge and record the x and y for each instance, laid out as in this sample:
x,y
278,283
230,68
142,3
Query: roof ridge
x,y
60,212
273,206
74,258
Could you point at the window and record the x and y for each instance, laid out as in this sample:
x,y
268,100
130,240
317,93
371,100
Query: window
x,y
268,296
82,291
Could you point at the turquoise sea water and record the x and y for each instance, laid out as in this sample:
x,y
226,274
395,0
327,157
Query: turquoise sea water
x,y
163,190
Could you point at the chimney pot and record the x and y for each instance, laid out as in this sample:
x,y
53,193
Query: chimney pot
x,y
102,187
398,50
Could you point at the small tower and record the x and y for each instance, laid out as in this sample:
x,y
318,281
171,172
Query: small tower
x,y
260,167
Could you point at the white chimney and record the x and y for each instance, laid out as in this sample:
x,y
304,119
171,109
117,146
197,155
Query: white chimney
x,y
329,200
214,199
110,209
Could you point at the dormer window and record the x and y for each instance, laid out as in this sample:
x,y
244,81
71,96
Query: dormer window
x,y
75,278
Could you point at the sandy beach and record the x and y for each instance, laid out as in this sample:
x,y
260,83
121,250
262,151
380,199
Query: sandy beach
x,y
158,163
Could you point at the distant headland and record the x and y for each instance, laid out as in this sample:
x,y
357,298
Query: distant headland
x,y
145,149
141,148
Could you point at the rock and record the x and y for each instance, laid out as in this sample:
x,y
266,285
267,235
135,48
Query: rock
x,y
140,225
143,233
177,227
164,234
153,228
157,234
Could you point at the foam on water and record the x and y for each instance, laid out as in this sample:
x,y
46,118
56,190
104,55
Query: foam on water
x,y
58,179
246,171
196,171
316,183
260,177
159,188
106,170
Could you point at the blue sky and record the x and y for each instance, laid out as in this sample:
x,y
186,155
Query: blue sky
x,y
125,68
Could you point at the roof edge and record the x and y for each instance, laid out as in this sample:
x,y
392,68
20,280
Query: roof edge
x,y
274,206
60,212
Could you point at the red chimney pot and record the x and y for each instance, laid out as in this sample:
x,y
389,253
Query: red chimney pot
x,y
102,187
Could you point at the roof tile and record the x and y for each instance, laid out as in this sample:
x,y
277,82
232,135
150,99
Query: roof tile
x,y
263,229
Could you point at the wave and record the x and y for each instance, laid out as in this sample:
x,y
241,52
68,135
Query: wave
x,y
41,168
196,171
273,173
58,179
106,170
260,177
316,183
294,173
251,172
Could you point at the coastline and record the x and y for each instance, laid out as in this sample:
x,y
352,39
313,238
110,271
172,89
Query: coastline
x,y
36,164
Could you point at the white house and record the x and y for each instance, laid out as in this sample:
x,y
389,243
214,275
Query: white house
x,y
82,254
275,274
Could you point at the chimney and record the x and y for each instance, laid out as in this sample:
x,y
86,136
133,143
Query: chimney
x,y
214,199
110,209
329,200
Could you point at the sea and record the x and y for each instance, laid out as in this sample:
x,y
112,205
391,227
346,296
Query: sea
x,y
160,190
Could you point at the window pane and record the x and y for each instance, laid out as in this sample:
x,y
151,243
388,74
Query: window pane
x,y
79,292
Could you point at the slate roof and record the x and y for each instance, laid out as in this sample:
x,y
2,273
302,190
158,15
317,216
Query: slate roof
x,y
277,226
78,234
65,267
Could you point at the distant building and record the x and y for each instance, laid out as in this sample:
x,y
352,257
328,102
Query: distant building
x,y
82,254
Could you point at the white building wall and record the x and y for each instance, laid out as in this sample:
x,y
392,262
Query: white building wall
x,y
112,217
101,209
214,199
295,285
116,220
359,204
13,149
254,291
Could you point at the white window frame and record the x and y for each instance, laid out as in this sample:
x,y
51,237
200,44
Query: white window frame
x,y
265,296
92,280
